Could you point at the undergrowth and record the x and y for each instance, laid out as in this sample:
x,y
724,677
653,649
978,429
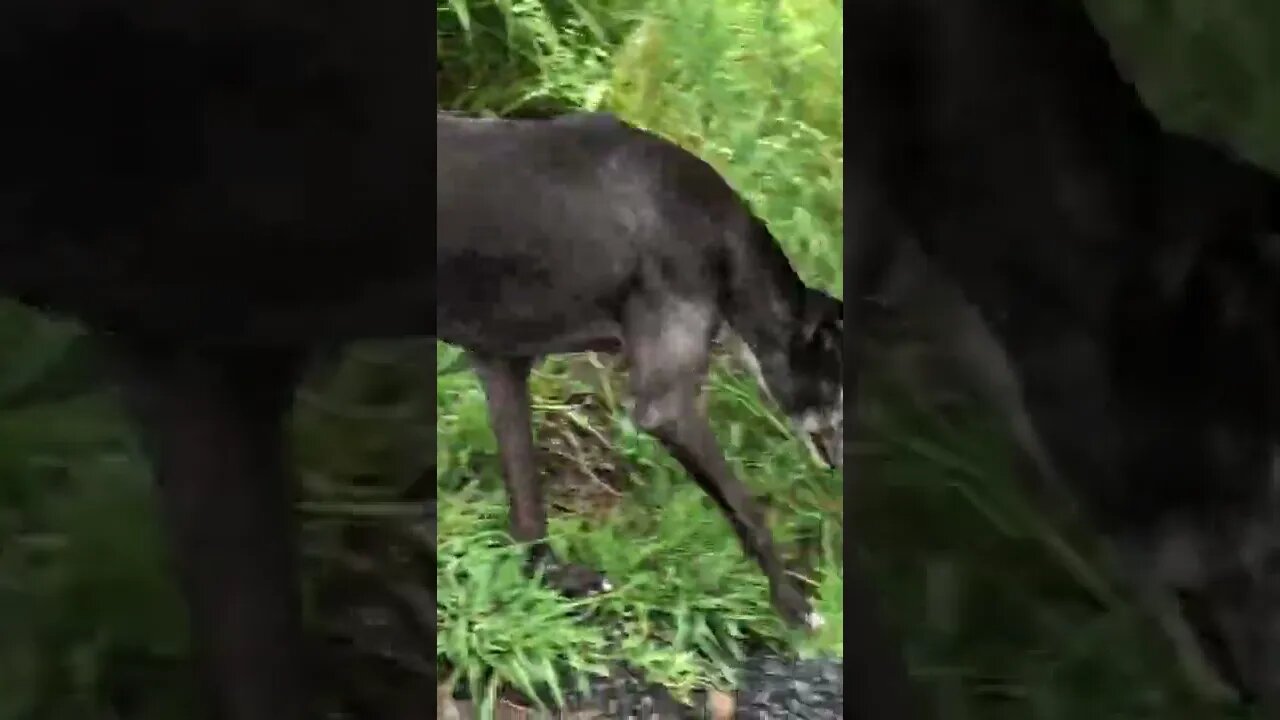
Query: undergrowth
x,y
754,88
1004,606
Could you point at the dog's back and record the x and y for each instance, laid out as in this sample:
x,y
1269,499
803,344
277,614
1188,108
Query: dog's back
x,y
546,228
215,171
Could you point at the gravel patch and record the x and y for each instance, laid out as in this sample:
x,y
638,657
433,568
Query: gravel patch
x,y
769,688
801,689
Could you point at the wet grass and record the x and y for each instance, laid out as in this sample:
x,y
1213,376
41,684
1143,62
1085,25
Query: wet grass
x,y
1004,606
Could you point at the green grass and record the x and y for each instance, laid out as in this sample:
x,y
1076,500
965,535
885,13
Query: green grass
x,y
688,603
1005,608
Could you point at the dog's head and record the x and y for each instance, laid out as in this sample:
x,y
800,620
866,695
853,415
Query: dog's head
x,y
1234,606
1216,581
807,379
1215,553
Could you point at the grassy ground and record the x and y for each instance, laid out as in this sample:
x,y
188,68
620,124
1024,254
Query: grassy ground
x,y
1004,609
689,604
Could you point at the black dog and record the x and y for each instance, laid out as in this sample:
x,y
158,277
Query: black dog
x,y
217,189
580,233
1127,273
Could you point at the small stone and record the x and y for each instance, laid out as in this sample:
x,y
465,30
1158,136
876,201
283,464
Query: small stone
x,y
721,705
446,708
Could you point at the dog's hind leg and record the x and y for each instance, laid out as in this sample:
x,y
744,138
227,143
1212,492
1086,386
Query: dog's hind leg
x,y
506,389
669,351
214,428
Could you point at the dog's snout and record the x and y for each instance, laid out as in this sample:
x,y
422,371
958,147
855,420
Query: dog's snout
x,y
829,447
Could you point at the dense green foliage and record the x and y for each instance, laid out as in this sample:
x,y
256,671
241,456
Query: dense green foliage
x,y
754,87
1005,611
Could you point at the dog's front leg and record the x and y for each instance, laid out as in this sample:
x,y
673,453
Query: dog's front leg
x,y
672,416
213,428
506,388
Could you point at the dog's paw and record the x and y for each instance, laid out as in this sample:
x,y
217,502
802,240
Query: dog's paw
x,y
794,608
576,581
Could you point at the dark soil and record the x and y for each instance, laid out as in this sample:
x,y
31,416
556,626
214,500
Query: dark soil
x,y
770,687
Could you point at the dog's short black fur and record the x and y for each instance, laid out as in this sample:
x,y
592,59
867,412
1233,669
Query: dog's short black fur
x,y
1127,272
217,189
581,232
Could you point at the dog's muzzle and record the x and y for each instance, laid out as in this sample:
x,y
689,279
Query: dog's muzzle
x,y
827,447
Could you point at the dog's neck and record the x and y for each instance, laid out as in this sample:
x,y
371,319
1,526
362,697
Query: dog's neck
x,y
765,295
765,305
